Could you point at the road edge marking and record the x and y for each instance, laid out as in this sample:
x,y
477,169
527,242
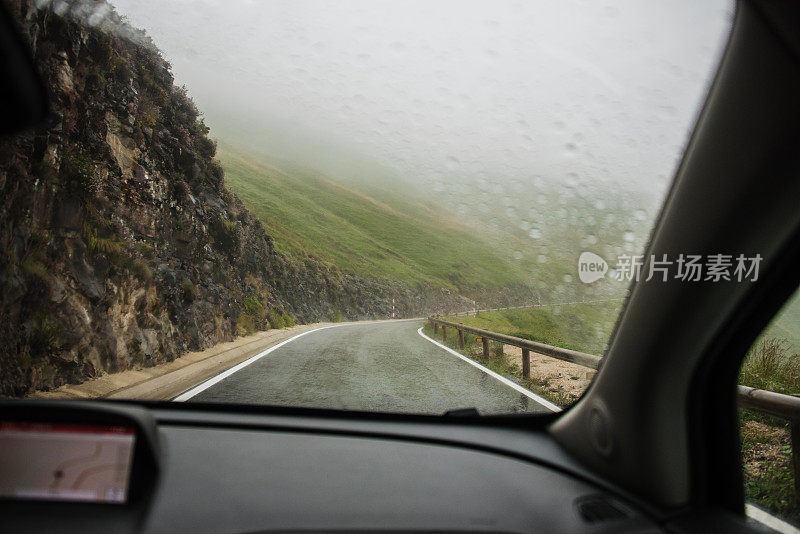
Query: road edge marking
x,y
188,394
202,386
765,518
544,402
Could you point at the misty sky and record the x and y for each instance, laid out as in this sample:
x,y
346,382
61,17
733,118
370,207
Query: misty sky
x,y
597,93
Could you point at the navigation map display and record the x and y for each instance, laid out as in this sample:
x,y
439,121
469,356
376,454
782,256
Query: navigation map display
x,y
65,462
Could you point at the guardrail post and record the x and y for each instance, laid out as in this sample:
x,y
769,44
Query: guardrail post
x,y
435,328
444,333
795,433
460,339
526,363
485,342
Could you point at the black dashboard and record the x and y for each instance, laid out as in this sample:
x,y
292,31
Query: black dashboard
x,y
222,471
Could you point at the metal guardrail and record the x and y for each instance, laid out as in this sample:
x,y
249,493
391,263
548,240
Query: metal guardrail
x,y
768,402
527,346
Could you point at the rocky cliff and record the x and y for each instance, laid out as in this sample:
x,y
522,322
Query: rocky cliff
x,y
120,245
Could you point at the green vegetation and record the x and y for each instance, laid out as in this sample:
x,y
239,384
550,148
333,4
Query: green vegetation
x,y
34,268
786,324
767,459
253,317
245,324
98,244
773,364
394,238
141,270
42,335
189,290
253,306
583,327
81,178
275,319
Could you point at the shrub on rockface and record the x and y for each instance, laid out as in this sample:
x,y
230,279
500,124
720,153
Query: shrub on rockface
x,y
226,236
206,147
276,319
81,178
253,316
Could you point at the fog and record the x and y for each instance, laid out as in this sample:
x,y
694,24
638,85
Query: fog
x,y
451,91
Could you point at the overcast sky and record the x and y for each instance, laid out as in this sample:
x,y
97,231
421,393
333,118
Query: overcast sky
x,y
450,90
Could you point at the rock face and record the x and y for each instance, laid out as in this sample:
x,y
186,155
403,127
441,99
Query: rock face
x,y
120,245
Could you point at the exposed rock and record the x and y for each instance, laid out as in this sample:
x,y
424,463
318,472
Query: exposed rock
x,y
121,247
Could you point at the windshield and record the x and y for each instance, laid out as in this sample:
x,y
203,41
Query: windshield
x,y
408,207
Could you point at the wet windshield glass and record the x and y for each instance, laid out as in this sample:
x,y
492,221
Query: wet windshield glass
x,y
385,206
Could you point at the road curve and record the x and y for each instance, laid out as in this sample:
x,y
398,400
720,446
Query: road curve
x,y
383,366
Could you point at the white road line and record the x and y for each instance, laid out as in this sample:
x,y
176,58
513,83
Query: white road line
x,y
769,520
544,402
225,374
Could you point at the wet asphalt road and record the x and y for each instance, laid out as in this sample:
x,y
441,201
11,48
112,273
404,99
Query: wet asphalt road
x,y
384,366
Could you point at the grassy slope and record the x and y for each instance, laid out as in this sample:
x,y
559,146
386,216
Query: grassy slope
x,y
583,327
786,325
311,215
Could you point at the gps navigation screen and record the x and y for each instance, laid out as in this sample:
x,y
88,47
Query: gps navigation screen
x,y
65,462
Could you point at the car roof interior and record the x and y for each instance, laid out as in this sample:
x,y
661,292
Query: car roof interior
x,y
655,435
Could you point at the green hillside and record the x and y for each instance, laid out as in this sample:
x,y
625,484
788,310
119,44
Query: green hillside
x,y
397,238
584,327
786,325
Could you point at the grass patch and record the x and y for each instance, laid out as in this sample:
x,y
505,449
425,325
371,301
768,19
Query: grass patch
x,y
767,461
288,320
245,324
771,364
582,327
276,319
34,268
395,238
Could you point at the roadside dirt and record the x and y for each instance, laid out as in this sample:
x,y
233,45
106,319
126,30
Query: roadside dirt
x,y
165,381
557,376
568,378
768,449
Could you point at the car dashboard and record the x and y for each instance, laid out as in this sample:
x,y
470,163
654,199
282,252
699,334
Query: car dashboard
x,y
213,470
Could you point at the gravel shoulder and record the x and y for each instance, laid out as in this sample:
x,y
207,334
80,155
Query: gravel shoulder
x,y
165,381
